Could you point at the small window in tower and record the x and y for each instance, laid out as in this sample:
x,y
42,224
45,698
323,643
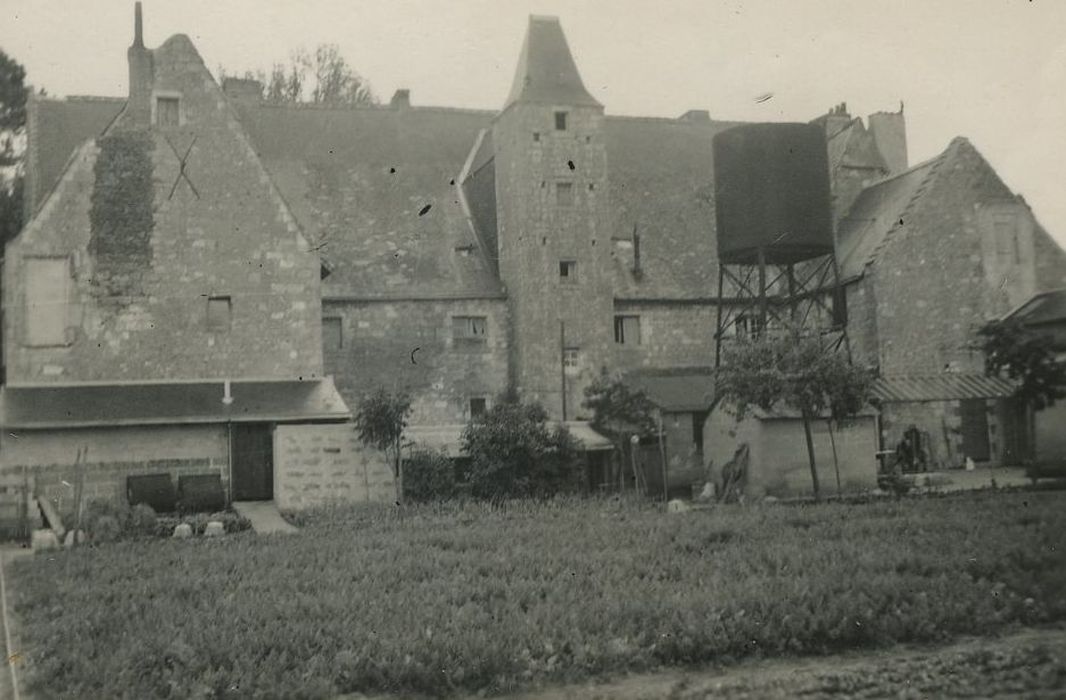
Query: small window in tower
x,y
479,406
627,330
219,310
332,336
536,136
592,186
560,121
167,111
568,271
469,328
564,194
572,360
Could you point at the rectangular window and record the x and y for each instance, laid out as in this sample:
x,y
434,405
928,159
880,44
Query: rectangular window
x,y
218,314
698,419
564,194
167,111
627,330
332,334
748,326
560,121
568,271
469,328
571,360
47,290
478,406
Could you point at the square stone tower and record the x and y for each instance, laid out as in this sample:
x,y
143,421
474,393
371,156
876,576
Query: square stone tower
x,y
553,237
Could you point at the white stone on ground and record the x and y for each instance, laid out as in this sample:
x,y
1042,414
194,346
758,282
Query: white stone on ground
x,y
182,531
214,529
43,540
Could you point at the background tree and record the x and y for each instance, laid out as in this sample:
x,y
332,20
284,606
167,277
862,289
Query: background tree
x,y
515,454
774,372
1027,357
321,77
381,420
13,94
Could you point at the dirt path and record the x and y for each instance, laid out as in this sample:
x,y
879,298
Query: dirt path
x,y
1030,663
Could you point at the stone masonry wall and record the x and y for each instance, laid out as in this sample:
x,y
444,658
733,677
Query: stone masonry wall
x,y
219,230
323,464
537,231
409,346
937,281
112,454
671,335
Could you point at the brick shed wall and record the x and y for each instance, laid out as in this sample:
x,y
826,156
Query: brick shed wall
x,y
780,466
321,464
237,239
113,454
376,351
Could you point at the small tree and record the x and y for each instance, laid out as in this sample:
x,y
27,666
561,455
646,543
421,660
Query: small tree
x,y
381,420
514,453
620,412
1013,351
795,372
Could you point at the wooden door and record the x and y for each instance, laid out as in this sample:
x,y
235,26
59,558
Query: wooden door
x,y
974,429
252,452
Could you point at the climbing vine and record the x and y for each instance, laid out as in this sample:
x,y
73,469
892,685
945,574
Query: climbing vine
x,y
121,217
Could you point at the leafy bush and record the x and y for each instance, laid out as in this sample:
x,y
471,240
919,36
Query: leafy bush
x,y
428,476
514,454
142,518
232,522
463,597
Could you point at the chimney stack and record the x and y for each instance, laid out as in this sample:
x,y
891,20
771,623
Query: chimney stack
x,y
139,106
636,252
401,99
890,134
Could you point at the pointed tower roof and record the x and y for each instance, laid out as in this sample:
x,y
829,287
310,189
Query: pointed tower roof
x,y
546,69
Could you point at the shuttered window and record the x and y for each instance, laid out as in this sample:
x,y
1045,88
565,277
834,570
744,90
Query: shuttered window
x,y
47,295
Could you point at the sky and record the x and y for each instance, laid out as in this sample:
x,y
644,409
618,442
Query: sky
x,y
993,71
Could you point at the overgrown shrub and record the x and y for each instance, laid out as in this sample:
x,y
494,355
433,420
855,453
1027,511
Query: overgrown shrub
x,y
428,476
142,518
514,454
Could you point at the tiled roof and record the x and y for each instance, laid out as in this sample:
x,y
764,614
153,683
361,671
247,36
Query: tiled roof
x,y
879,210
59,127
41,407
375,188
546,70
683,389
941,387
661,174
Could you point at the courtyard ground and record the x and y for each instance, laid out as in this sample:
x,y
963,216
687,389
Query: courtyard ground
x,y
457,599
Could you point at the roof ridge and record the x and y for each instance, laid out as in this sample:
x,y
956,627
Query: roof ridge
x,y
312,106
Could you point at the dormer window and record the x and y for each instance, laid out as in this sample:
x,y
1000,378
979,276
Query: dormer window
x,y
167,111
560,121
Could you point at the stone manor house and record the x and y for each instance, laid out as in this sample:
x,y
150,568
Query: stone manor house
x,y
201,271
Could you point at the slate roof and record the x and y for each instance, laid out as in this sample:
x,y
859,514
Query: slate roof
x,y
878,211
375,188
28,408
59,127
546,70
661,179
681,389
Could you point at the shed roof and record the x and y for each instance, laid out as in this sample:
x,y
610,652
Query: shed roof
x,y
941,387
91,405
1046,307
680,390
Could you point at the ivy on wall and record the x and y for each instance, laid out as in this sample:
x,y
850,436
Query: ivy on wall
x,y
121,217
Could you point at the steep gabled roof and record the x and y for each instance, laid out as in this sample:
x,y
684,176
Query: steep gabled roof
x,y
375,188
57,128
879,210
546,70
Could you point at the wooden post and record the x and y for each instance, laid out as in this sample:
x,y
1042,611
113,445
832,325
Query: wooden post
x,y
562,364
662,457
833,443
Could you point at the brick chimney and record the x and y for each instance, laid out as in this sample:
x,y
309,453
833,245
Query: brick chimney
x,y
139,106
890,134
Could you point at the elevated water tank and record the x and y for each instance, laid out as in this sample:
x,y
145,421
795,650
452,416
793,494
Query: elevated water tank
x,y
772,192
